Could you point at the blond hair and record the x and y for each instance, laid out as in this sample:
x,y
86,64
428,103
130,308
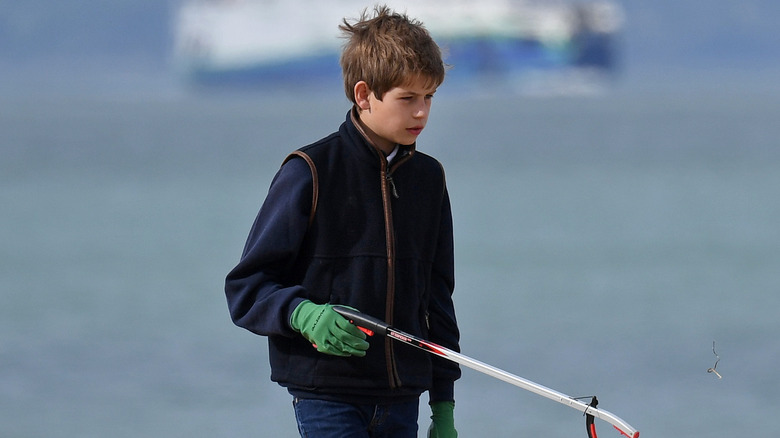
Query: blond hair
x,y
388,50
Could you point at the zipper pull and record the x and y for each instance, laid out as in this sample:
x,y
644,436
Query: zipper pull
x,y
392,186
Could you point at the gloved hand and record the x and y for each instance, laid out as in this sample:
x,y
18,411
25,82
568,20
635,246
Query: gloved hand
x,y
330,332
443,420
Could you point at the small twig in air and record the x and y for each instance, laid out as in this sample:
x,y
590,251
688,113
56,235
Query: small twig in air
x,y
717,359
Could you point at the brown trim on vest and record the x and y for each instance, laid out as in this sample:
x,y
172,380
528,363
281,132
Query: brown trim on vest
x,y
315,192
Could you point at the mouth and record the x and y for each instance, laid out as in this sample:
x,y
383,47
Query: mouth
x,y
415,131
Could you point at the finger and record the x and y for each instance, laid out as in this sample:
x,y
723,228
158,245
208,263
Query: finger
x,y
347,342
357,349
351,351
349,339
350,328
334,350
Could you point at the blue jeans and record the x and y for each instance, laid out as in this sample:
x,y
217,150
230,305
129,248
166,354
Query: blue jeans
x,y
327,419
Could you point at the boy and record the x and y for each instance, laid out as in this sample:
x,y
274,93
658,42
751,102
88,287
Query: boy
x,y
361,219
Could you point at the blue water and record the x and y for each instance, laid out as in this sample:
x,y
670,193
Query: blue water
x,y
603,243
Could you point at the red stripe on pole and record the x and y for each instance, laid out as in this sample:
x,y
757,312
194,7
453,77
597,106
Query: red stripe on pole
x,y
636,434
434,348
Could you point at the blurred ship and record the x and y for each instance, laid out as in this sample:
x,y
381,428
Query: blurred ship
x,y
295,43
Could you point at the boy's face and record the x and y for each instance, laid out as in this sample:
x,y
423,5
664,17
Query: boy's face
x,y
399,117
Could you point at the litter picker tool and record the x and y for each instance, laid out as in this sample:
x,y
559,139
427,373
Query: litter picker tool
x,y
372,325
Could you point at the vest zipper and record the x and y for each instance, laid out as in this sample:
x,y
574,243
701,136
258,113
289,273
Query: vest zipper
x,y
388,185
392,185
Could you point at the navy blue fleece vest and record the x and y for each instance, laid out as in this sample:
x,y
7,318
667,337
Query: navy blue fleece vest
x,y
375,251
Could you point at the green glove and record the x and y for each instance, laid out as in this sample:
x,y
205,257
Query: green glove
x,y
443,424
330,332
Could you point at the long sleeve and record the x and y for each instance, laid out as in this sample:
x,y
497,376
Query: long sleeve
x,y
443,324
257,296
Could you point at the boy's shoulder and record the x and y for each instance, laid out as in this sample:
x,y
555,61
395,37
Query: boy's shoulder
x,y
334,139
308,152
325,142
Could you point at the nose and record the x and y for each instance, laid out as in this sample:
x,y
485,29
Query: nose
x,y
421,111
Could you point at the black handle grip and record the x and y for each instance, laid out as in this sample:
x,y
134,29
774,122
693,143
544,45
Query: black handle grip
x,y
376,325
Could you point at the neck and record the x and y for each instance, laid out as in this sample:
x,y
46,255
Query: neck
x,y
371,137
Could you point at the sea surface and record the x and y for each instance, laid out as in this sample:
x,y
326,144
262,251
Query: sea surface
x,y
603,244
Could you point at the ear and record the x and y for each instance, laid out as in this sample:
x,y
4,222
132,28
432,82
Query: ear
x,y
362,94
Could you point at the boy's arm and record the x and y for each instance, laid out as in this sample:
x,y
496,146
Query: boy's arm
x,y
257,299
441,310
